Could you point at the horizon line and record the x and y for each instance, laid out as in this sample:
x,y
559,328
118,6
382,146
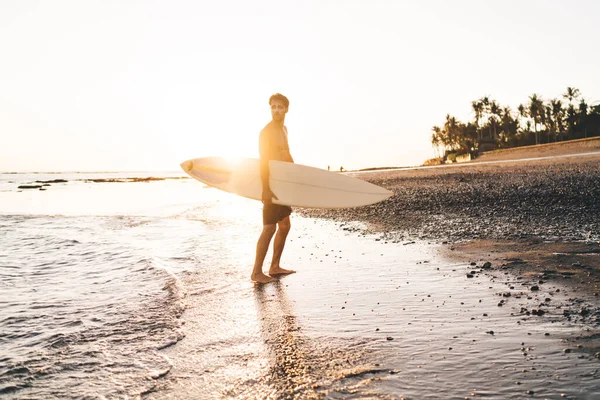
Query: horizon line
x,y
86,172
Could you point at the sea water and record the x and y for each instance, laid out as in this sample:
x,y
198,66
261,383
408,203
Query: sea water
x,y
115,286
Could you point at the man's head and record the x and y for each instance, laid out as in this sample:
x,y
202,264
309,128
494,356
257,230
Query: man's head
x,y
279,106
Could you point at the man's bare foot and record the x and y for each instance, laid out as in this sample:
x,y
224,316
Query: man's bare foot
x,y
261,278
280,271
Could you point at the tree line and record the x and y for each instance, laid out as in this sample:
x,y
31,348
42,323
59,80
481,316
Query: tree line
x,y
538,121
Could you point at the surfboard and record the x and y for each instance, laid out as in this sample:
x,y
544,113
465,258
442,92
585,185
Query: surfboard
x,y
294,184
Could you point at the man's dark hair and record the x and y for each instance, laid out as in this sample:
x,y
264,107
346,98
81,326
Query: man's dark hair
x,y
279,96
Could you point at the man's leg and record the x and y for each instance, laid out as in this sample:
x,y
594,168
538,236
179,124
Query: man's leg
x,y
283,229
261,251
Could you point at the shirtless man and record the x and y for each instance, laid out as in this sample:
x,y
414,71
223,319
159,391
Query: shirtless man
x,y
273,145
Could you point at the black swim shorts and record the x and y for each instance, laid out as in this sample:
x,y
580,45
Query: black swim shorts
x,y
273,213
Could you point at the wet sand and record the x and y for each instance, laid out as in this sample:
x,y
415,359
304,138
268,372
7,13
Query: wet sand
x,y
370,317
529,217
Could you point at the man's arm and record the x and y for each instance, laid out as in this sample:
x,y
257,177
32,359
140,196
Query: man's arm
x,y
289,157
267,194
287,146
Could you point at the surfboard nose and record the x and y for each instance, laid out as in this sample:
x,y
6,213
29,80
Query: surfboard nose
x,y
187,166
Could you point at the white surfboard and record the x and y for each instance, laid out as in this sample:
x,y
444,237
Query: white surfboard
x,y
294,184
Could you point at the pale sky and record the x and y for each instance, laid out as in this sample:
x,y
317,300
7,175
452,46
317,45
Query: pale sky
x,y
140,85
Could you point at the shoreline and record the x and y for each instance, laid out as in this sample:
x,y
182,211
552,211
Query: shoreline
x,y
530,218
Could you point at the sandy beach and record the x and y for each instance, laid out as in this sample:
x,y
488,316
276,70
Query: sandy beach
x,y
471,281
524,213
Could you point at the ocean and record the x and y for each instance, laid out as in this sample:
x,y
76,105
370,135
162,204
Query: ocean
x,y
117,286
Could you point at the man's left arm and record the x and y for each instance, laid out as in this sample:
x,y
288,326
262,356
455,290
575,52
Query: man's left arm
x,y
287,145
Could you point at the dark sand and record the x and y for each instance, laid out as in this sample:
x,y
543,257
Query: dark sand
x,y
538,218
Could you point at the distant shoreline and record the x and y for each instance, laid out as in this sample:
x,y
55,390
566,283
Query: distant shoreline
x,y
87,172
533,151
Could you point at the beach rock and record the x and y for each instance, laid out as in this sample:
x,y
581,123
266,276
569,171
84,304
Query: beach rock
x,y
584,312
535,288
520,203
29,187
53,181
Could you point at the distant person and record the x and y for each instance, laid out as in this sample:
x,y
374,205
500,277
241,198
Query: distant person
x,y
273,145
341,169
328,167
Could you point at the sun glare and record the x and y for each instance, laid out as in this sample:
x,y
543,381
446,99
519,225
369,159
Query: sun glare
x,y
233,161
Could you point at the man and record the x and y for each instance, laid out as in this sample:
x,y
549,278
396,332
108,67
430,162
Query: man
x,y
273,145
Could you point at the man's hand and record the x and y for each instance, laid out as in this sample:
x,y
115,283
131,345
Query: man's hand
x,y
268,196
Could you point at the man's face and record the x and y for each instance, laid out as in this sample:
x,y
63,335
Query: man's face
x,y
278,109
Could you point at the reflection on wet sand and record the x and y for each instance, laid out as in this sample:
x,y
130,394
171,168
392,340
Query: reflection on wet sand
x,y
290,369
300,367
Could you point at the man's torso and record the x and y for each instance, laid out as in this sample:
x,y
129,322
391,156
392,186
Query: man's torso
x,y
273,142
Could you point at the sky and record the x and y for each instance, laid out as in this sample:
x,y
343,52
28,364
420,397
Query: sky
x,y
144,85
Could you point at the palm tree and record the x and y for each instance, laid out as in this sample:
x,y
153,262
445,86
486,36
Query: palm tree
x,y
583,107
581,115
508,125
571,93
536,107
548,121
477,107
522,113
543,119
571,115
450,128
557,116
436,140
485,105
495,116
